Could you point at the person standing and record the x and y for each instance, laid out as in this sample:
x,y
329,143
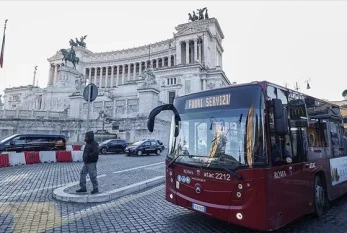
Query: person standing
x,y
90,158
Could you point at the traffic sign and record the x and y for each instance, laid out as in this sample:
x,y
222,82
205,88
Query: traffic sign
x,y
90,92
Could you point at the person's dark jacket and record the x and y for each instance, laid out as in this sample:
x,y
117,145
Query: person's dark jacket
x,y
91,149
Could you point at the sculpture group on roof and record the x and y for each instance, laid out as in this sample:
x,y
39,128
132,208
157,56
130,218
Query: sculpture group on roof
x,y
200,15
71,55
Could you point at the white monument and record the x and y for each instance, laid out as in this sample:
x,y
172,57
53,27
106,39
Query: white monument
x,y
131,82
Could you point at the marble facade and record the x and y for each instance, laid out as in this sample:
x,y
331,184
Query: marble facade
x,y
189,62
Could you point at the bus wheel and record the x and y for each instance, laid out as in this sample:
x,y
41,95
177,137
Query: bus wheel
x,y
320,198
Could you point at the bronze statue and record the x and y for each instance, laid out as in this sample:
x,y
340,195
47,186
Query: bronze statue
x,y
70,56
194,17
201,13
206,14
81,41
73,43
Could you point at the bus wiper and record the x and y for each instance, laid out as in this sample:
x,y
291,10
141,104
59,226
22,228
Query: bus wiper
x,y
172,161
233,173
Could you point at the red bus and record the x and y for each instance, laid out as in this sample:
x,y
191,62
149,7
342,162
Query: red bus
x,y
257,155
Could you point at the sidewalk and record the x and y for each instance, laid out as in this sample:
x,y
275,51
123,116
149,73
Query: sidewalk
x,y
114,185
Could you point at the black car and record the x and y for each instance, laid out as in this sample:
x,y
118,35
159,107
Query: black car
x,y
161,145
143,147
112,145
33,142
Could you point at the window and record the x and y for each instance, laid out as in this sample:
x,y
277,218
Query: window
x,y
172,95
291,145
171,81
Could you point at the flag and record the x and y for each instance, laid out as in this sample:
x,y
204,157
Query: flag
x,y
3,48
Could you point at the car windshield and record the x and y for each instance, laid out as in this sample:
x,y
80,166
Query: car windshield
x,y
8,138
137,143
107,141
229,136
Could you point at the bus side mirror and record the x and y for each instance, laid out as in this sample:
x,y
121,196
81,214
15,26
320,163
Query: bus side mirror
x,y
157,110
280,117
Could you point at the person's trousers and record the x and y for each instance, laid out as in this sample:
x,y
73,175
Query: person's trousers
x,y
90,169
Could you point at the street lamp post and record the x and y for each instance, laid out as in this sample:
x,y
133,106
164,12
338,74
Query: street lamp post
x,y
296,85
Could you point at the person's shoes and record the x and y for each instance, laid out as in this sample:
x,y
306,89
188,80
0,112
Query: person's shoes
x,y
94,191
81,191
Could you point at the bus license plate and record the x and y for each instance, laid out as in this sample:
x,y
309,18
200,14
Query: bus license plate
x,y
199,207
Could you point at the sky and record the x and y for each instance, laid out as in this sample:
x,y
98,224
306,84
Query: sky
x,y
282,41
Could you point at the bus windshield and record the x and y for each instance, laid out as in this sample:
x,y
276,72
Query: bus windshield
x,y
230,136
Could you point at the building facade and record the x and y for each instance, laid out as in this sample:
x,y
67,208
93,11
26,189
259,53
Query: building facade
x,y
131,82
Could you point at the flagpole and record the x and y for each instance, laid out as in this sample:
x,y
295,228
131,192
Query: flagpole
x,y
3,45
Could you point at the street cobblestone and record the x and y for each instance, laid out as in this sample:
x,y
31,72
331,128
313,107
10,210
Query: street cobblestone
x,y
26,205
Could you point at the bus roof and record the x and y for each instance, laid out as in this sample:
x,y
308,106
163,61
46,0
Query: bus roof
x,y
263,84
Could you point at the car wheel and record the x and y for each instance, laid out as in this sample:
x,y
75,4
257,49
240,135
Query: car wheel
x,y
158,152
139,153
103,150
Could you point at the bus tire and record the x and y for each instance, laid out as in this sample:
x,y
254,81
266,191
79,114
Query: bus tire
x,y
320,198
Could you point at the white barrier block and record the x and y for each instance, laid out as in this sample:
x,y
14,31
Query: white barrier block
x,y
47,156
77,156
82,148
68,147
16,158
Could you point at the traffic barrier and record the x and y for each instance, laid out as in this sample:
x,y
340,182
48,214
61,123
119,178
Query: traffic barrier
x,y
77,156
4,160
16,158
64,156
76,147
73,153
47,156
32,157
69,148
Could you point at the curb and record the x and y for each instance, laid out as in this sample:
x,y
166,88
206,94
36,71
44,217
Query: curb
x,y
60,195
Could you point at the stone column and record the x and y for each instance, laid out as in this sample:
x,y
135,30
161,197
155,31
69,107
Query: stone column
x,y
112,76
187,51
204,82
55,74
195,50
129,69
140,67
90,75
97,82
106,77
50,76
134,74
178,52
157,63
169,59
117,77
123,74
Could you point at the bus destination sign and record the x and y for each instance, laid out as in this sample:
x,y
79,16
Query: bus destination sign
x,y
208,101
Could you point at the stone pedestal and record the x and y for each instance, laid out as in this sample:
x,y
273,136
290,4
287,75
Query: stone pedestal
x,y
148,99
57,96
67,78
76,104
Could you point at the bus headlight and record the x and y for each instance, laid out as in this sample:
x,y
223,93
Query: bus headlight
x,y
171,196
239,216
238,194
171,179
240,186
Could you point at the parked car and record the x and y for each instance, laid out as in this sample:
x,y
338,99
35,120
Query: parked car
x,y
147,146
161,145
113,145
33,142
